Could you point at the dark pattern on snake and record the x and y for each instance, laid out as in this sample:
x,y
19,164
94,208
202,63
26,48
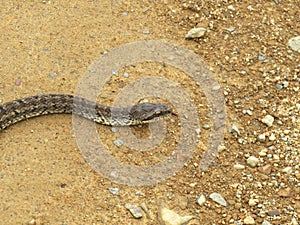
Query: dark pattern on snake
x,y
25,108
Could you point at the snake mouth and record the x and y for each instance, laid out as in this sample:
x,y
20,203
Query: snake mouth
x,y
159,113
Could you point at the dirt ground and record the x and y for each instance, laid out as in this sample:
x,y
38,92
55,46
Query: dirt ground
x,y
47,46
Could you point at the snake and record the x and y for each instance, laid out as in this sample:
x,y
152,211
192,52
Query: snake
x,y
43,104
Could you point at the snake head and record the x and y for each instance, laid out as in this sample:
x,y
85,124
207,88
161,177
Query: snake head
x,y
146,112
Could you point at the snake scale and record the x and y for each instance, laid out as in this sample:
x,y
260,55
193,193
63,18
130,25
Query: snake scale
x,y
25,108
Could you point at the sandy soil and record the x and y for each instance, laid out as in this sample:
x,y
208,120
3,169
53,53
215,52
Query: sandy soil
x,y
47,46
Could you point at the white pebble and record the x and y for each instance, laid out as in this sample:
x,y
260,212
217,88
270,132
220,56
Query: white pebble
x,y
252,161
276,157
196,32
268,120
272,137
287,170
249,220
253,202
262,137
169,217
263,152
218,199
201,200
239,166
294,43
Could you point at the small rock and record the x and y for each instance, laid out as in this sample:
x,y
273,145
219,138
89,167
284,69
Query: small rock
x,y
287,170
135,211
252,161
262,137
268,120
32,222
230,29
114,72
218,199
272,137
146,210
198,131
294,222
234,130
206,127
261,57
276,157
253,202
18,82
196,32
285,192
266,223
201,200
221,148
169,217
249,220
274,212
230,7
118,142
267,169
145,32
263,152
239,167
114,191
126,75
294,43
52,75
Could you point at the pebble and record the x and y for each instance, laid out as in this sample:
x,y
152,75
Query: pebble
x,y
206,127
230,7
114,191
169,217
267,169
126,75
221,148
261,137
52,75
135,211
145,32
18,82
252,161
118,142
230,29
196,32
253,202
294,43
234,130
146,210
216,197
201,200
31,222
198,131
103,96
294,222
285,192
272,137
276,157
287,170
249,220
268,120
114,72
266,223
274,212
261,57
263,152
239,167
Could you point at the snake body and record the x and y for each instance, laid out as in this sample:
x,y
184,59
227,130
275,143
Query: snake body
x,y
25,108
